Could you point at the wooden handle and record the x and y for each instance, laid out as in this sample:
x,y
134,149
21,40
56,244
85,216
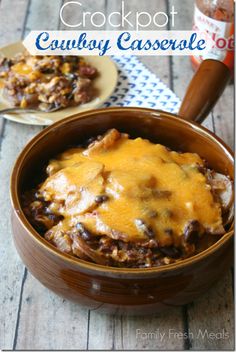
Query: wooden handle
x,y
204,90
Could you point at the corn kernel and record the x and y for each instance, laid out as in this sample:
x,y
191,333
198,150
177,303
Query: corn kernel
x,y
23,103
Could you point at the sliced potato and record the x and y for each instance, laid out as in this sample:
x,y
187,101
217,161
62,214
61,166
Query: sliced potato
x,y
75,188
80,247
59,239
104,144
222,188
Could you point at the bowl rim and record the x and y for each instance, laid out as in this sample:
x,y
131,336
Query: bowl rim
x,y
93,267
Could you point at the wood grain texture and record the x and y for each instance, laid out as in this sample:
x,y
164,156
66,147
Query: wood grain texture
x,y
103,330
72,12
12,269
156,332
211,320
50,322
159,65
11,24
43,14
12,18
181,68
11,29
224,116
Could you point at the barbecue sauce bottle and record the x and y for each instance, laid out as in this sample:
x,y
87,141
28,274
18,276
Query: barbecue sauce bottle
x,y
216,18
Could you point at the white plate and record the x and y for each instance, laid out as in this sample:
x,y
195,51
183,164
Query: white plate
x,y
104,84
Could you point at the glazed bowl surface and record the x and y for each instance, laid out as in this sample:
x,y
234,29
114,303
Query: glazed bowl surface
x,y
118,289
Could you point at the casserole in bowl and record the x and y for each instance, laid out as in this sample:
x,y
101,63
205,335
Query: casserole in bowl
x,y
104,287
125,202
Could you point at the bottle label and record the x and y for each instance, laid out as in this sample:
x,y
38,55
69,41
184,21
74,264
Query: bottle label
x,y
222,34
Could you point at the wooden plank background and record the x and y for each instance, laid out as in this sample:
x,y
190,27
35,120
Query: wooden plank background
x,y
35,318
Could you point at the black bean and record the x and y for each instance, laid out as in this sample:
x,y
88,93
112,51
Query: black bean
x,y
101,198
201,169
167,213
168,232
38,195
140,224
152,214
143,250
92,140
122,245
170,251
158,193
85,234
46,70
5,64
72,76
192,231
55,218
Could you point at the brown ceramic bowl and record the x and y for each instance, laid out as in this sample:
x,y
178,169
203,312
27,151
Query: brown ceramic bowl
x,y
119,289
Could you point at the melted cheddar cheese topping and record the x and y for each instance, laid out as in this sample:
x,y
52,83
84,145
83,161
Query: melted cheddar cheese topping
x,y
130,189
27,70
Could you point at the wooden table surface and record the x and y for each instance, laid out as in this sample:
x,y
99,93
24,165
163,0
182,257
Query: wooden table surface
x,y
34,318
